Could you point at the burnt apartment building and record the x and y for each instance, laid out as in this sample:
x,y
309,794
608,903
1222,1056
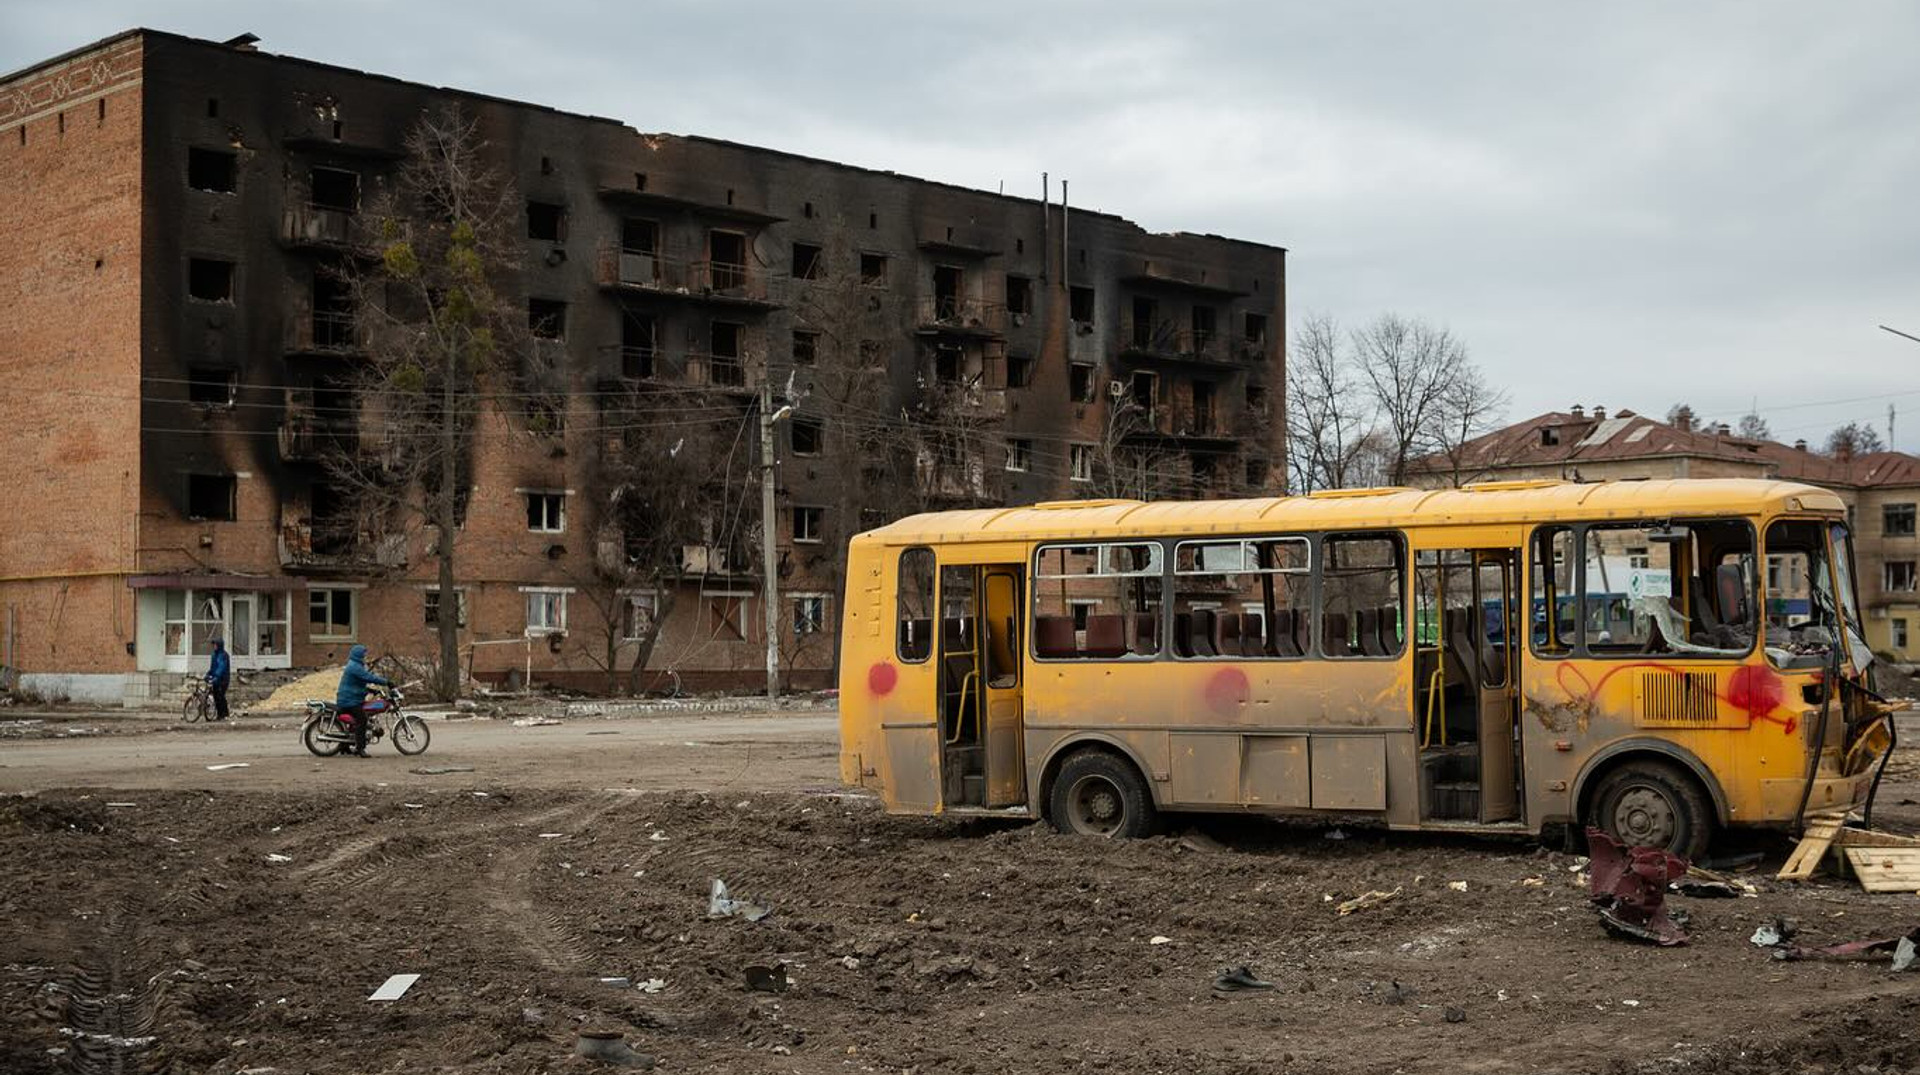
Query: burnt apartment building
x,y
179,353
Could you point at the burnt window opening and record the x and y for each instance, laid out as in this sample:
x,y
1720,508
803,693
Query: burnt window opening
x,y
1019,295
727,251
332,312
546,165
211,386
639,340
947,283
1019,455
1080,304
1257,470
334,189
547,512
639,180
809,262
639,236
1257,399
211,497
331,523
546,222
547,319
1080,382
1145,313
806,210
873,221
1202,406
1204,470
809,436
1204,320
212,170
213,108
809,524
873,270
806,347
947,364
210,280
1256,328
1144,391
727,368
1019,371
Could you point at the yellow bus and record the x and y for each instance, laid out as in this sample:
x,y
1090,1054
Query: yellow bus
x,y
1657,658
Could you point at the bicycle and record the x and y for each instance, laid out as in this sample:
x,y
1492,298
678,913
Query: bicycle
x,y
199,702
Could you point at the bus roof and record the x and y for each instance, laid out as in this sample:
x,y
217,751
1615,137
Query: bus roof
x,y
1365,509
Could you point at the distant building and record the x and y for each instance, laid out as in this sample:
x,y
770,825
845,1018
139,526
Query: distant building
x,y
175,354
1881,489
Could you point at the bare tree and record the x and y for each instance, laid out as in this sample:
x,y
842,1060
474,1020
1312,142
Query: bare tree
x,y
1469,407
1409,369
1753,427
437,335
1326,418
1855,439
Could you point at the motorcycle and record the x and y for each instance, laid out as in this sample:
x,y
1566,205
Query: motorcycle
x,y
326,733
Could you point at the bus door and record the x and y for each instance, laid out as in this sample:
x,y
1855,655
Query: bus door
x,y
1466,697
982,760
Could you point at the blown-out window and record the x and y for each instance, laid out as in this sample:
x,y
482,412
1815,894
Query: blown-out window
x,y
1242,598
1097,602
1553,619
1362,602
1669,587
914,632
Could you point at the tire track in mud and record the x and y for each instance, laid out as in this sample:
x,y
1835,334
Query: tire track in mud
x,y
543,931
109,1005
364,859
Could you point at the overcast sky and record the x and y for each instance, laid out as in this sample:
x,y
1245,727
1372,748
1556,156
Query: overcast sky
x,y
1628,204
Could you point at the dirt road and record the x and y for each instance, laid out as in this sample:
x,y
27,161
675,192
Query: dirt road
x,y
655,752
186,921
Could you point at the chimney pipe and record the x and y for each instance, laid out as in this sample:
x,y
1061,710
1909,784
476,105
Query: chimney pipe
x,y
1800,445
1683,419
1577,411
1599,414
1724,430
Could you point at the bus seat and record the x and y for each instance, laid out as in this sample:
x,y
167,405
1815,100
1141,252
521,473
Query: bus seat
x,y
955,636
1253,636
1053,636
1462,661
1732,588
1200,637
1182,638
1389,628
1226,635
916,639
1283,643
1302,632
1146,633
1106,636
1334,638
1369,631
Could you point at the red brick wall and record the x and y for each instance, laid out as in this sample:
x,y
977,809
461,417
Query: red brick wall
x,y
70,231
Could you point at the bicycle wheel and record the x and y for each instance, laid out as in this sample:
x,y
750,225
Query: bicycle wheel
x,y
315,737
195,707
410,735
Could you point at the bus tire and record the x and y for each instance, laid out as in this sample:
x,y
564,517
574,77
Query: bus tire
x,y
1653,804
1098,794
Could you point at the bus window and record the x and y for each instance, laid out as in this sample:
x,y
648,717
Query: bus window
x,y
1550,613
1678,588
1802,614
916,605
1362,596
1097,602
1241,598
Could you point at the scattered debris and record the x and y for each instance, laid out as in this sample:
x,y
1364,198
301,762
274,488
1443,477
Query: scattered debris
x,y
1886,869
610,1047
1195,840
534,722
1157,939
229,765
850,962
1901,950
1533,882
1733,862
658,837
279,858
1397,994
617,982
1456,1015
652,985
1334,834
1773,934
1628,887
1457,886
1365,900
441,770
768,979
551,835
721,904
395,987
414,806
121,805
1815,839
1630,1003
1239,979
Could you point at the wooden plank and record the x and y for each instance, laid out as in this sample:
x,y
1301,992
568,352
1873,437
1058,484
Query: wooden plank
x,y
1870,838
1886,869
1819,836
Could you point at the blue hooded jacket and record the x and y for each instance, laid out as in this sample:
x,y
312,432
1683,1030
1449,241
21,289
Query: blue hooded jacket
x,y
220,668
354,681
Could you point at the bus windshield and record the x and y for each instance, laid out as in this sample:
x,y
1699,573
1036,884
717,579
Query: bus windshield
x,y
1810,594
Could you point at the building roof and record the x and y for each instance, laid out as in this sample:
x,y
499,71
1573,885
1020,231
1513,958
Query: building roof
x,y
1362,509
1568,438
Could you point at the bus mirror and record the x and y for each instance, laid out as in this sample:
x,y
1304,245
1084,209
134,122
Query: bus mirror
x,y
1668,534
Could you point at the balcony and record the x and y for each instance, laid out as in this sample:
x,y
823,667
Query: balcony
x,y
715,282
309,546
964,317
320,227
1168,340
325,332
712,560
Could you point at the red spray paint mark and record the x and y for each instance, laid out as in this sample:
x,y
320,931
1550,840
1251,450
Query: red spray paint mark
x,y
882,678
1227,690
1755,689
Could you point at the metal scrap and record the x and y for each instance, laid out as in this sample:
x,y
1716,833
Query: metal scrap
x,y
1365,900
1628,887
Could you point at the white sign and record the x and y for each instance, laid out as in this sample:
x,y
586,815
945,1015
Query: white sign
x,y
1649,582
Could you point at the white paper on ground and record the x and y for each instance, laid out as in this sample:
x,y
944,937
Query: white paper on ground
x,y
395,987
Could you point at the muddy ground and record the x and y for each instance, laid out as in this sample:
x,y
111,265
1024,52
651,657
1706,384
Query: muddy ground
x,y
169,936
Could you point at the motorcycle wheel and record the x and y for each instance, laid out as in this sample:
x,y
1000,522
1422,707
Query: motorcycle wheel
x,y
311,735
410,735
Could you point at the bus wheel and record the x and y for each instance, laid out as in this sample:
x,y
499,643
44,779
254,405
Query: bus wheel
x,y
1654,804
1097,794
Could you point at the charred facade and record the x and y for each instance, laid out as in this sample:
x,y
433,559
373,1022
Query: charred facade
x,y
188,357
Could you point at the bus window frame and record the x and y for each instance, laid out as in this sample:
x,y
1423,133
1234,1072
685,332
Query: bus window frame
x,y
1162,617
933,599
1306,542
1576,647
1404,564
1647,522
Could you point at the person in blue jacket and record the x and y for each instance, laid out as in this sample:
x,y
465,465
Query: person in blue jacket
x,y
352,694
219,675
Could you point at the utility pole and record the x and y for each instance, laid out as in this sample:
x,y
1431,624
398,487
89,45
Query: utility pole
x,y
769,530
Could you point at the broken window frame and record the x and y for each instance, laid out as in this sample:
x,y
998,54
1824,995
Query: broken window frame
x,y
1897,520
873,270
806,347
211,502
213,387
809,523
329,601
350,185
813,441
547,319
1900,576
638,613
809,261
1081,305
809,614
546,511
1019,295
1020,370
1080,463
546,610
1019,455
1082,381
199,280
224,162
430,607
546,221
